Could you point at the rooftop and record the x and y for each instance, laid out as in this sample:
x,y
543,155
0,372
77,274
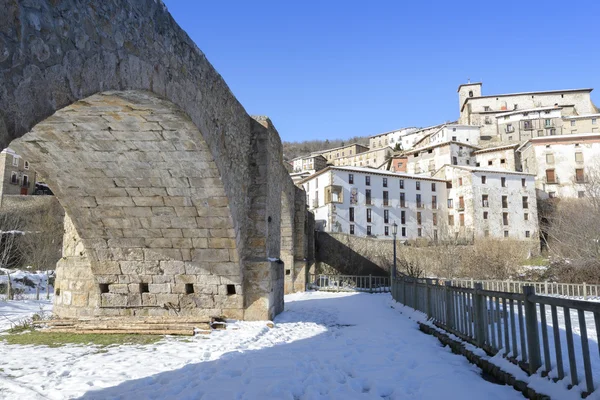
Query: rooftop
x,y
496,148
447,143
583,116
468,84
526,94
338,148
372,171
487,170
528,110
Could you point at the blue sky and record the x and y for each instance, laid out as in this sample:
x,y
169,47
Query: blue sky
x,y
336,69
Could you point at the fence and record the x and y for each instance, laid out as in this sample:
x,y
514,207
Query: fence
x,y
508,323
347,283
582,290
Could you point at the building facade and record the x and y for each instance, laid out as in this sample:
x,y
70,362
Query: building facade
x,y
17,177
341,152
581,123
488,203
427,160
392,139
451,133
367,202
372,158
561,164
310,164
522,125
500,157
481,110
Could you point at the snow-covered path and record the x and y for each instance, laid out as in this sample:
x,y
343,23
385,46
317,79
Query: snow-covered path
x,y
324,346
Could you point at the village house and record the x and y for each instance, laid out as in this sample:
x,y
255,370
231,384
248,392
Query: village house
x,y
367,202
489,203
499,157
483,110
451,133
17,177
428,159
561,164
372,158
397,139
310,164
331,155
581,123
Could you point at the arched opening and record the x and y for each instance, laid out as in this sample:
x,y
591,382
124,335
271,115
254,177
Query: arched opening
x,y
148,227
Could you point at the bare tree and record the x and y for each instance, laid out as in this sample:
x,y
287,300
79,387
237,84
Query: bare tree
x,y
10,233
42,248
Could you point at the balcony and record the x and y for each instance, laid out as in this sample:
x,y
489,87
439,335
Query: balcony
x,y
315,203
509,129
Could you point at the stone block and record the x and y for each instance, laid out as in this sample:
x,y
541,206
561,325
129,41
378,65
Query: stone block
x,y
178,201
163,279
234,313
153,192
164,211
225,268
220,201
107,278
148,299
210,255
106,268
118,288
113,300
138,267
153,201
172,267
221,243
172,233
186,212
79,300
193,268
163,299
117,201
221,233
158,254
206,289
134,299
137,211
200,243
159,288
231,279
182,243
158,242
126,242
180,279
183,222
228,301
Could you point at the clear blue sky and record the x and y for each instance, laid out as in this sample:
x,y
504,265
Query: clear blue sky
x,y
335,69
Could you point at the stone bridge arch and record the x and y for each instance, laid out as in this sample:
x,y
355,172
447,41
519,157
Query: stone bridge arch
x,y
96,94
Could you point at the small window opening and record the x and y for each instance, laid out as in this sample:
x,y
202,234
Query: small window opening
x,y
189,288
104,288
230,289
57,292
288,271
144,288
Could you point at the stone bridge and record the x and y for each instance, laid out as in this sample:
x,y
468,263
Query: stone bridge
x,y
177,202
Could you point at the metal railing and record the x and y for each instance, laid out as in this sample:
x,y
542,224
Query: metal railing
x,y
350,283
582,290
527,329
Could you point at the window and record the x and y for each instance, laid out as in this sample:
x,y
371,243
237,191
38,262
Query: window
x,y
369,230
15,161
461,203
460,182
549,158
581,194
483,180
402,200
486,233
450,203
351,178
419,232
25,181
504,201
26,165
386,216
552,195
523,182
502,161
368,196
451,220
418,185
368,215
579,177
525,216
486,108
433,187
434,219
419,204
573,123
351,214
384,182
418,218
505,218
386,198
527,234
547,122
527,125
461,219
433,202
404,231
485,215
13,178
453,139
402,217
484,200
490,162
550,177
454,160
503,182
470,93
401,183
594,121
505,234
579,157
525,202
386,230
352,229
317,183
368,180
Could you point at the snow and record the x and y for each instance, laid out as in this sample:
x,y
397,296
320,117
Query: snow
x,y
323,346
18,279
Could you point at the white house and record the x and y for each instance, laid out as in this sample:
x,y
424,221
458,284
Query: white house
x,y
561,164
366,202
493,203
428,159
451,133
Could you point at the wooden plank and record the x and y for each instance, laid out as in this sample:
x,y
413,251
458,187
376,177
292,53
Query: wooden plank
x,y
186,332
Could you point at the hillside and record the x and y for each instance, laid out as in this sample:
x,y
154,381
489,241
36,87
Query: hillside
x,y
292,150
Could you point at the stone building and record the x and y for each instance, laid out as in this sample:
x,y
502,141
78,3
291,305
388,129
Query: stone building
x,y
428,159
396,163
587,123
499,157
17,176
372,158
481,110
561,163
366,202
341,152
398,138
490,203
310,164
451,133
521,125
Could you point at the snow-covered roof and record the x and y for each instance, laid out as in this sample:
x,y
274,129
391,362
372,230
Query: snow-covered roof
x,y
10,151
528,110
446,143
584,116
373,171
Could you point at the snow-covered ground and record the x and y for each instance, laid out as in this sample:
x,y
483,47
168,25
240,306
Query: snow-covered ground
x,y
26,282
324,346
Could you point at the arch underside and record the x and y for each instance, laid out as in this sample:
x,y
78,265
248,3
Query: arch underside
x,y
149,228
